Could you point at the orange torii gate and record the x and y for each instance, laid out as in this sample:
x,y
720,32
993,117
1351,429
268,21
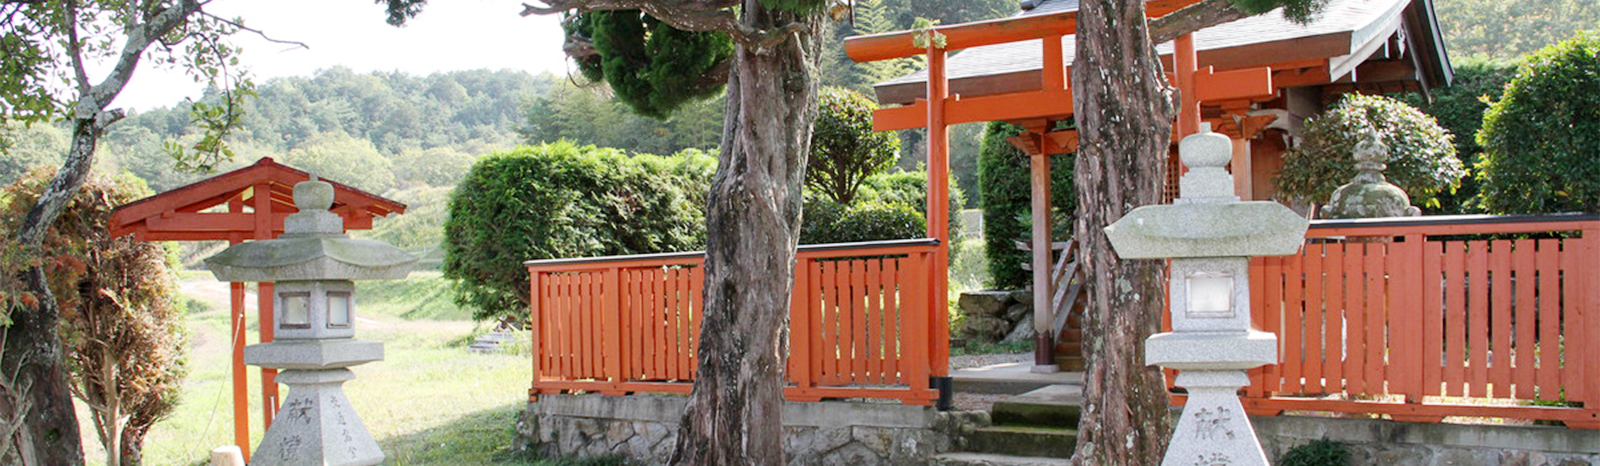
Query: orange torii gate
x,y
191,213
1035,110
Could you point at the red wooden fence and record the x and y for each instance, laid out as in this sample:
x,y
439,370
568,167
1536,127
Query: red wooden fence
x,y
860,323
1389,315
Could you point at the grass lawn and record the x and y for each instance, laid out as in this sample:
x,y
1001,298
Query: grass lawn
x,y
429,402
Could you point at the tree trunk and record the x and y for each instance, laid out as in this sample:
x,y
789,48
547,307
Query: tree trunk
x,y
1124,112
734,415
33,342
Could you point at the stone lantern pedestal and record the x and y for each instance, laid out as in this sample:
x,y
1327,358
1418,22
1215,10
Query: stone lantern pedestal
x,y
1210,236
313,264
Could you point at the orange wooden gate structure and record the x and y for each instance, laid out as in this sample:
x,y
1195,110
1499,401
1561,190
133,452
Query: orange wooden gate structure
x,y
861,323
1386,316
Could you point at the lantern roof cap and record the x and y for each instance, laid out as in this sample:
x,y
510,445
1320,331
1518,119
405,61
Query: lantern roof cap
x,y
313,247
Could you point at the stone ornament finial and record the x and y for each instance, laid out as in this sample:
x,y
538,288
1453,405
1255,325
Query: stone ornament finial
x,y
1207,155
313,194
1369,194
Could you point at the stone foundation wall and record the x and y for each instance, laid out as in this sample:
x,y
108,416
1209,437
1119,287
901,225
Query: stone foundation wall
x,y
1380,442
644,429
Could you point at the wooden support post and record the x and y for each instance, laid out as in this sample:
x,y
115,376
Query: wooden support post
x,y
1186,64
939,211
1243,185
264,293
241,382
1043,313
240,378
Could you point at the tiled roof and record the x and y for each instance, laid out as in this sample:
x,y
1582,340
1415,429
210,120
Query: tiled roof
x,y
1360,18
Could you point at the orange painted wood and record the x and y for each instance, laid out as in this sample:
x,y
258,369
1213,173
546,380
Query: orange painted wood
x,y
1315,349
893,302
697,283
671,328
874,314
1403,363
858,298
1053,72
1376,317
1432,318
979,33
1586,293
958,110
1293,354
611,287
816,312
830,323
1525,314
800,332
1478,317
1355,318
1549,357
916,334
1274,319
658,324
535,324
1333,318
1448,229
241,382
686,321
1500,324
1438,410
1251,84
1455,318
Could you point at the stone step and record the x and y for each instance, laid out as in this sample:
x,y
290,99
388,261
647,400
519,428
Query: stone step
x,y
990,459
1023,441
1072,363
1052,406
484,348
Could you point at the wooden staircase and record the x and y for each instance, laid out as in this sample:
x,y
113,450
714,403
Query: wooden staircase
x,y
1068,300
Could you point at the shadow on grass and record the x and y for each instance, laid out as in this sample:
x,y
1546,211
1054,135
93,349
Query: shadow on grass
x,y
483,437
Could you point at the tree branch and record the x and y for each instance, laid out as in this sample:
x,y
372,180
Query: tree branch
x,y
1193,18
259,33
687,15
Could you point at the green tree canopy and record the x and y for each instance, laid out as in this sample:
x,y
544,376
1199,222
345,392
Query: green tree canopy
x,y
1005,192
654,67
1422,156
339,157
845,151
1459,109
1509,29
1541,139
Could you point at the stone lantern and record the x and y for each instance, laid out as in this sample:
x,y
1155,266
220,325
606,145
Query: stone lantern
x,y
1210,236
1369,194
313,264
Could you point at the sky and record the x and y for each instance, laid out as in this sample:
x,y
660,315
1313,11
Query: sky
x,y
449,35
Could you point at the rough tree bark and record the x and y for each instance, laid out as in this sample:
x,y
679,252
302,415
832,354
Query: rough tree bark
x,y
734,416
1124,111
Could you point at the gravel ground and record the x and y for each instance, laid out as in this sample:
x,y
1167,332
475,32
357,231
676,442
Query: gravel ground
x,y
980,360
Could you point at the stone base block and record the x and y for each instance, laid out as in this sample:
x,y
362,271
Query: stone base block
x,y
644,429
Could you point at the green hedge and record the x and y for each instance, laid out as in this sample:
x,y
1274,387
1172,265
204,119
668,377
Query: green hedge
x,y
561,200
888,206
1459,109
1005,194
1541,139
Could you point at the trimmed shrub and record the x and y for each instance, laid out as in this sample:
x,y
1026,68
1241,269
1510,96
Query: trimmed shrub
x,y
1541,139
1322,452
1005,194
561,200
1422,156
830,222
845,151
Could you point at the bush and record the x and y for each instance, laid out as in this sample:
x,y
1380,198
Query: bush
x,y
1321,452
561,200
845,151
1541,139
1459,109
888,206
122,326
829,222
1422,157
1005,194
